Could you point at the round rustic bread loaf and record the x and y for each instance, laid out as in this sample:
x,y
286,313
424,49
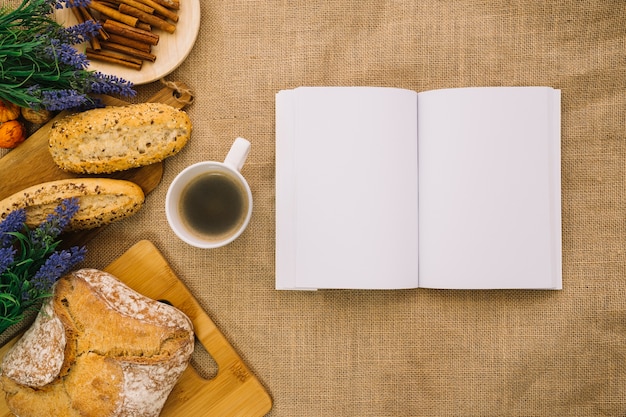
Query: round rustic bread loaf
x,y
118,138
97,349
101,201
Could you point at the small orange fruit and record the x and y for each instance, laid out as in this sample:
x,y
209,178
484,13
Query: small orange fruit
x,y
12,133
8,111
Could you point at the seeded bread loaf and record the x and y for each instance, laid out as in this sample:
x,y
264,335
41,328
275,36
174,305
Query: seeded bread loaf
x,y
101,201
97,349
118,138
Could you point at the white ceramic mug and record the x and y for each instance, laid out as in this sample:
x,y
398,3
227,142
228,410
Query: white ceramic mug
x,y
209,204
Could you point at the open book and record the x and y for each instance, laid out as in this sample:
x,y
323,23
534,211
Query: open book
x,y
386,188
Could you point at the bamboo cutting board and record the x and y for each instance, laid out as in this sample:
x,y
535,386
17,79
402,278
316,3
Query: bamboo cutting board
x,y
234,391
30,163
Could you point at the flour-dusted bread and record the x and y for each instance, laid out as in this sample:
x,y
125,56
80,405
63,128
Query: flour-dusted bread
x,y
101,201
118,138
97,349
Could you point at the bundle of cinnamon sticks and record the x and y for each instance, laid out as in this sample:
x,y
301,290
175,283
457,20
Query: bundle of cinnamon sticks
x,y
128,28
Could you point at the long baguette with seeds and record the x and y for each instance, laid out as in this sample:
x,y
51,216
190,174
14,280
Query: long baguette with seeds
x,y
101,201
118,138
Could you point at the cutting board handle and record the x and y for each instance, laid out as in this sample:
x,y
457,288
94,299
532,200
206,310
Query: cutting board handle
x,y
234,390
175,93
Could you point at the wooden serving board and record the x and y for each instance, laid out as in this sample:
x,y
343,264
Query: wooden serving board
x,y
30,163
234,391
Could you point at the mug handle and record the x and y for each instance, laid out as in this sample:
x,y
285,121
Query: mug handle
x,y
238,153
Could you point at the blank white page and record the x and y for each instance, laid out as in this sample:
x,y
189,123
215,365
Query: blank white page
x,y
285,193
490,196
353,206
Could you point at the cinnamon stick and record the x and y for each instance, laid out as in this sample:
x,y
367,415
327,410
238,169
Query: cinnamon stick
x,y
159,9
86,14
126,36
111,4
148,18
139,5
142,46
114,14
77,14
136,53
144,26
170,4
130,32
93,41
114,58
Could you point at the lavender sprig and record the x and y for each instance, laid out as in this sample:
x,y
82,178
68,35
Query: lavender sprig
x,y
30,263
39,65
57,265
7,255
13,222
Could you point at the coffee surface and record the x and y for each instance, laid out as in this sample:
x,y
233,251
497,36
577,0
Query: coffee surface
x,y
213,205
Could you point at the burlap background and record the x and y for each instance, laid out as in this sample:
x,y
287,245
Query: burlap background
x,y
419,352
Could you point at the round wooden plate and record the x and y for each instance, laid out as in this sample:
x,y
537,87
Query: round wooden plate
x,y
171,50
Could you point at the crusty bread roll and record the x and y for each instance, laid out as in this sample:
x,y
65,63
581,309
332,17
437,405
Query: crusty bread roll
x,y
97,349
101,201
118,138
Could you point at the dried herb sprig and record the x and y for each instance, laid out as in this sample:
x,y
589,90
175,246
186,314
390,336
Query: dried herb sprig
x,y
30,263
40,68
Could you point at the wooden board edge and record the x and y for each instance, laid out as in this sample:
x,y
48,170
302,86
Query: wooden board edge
x,y
232,373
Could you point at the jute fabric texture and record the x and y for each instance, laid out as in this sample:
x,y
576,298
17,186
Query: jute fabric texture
x,y
415,352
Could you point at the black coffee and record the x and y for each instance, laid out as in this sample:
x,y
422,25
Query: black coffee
x,y
213,205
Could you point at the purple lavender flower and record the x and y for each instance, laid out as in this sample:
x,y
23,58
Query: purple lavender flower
x,y
63,214
55,100
79,33
13,222
40,66
7,255
30,263
55,222
60,4
65,54
57,265
111,84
